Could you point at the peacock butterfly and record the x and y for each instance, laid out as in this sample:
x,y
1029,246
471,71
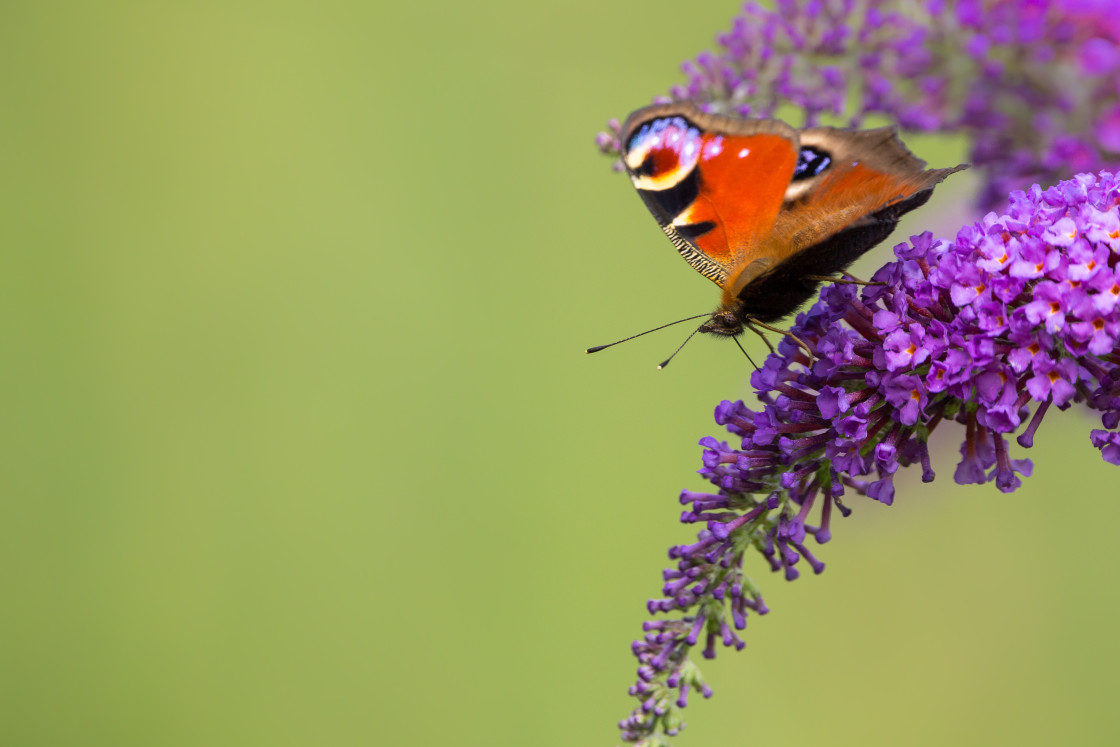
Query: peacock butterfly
x,y
765,210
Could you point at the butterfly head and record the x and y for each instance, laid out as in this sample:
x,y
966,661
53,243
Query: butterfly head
x,y
723,322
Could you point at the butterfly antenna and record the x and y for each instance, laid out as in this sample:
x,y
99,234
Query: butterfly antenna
x,y
674,355
736,339
597,348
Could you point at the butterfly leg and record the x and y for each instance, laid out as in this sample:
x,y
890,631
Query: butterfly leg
x,y
808,351
736,339
849,279
749,325
853,279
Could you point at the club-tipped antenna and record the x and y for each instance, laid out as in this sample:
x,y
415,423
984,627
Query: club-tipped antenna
x,y
674,355
736,339
597,348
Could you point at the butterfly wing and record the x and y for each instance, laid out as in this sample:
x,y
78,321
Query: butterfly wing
x,y
758,207
715,184
848,192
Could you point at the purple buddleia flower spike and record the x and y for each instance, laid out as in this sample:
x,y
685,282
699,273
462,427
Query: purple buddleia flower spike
x,y
1018,315
1032,83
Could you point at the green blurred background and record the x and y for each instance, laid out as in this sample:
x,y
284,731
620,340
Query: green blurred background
x,y
300,446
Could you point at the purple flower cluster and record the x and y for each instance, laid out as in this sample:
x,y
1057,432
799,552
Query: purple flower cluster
x,y
1019,314
1035,84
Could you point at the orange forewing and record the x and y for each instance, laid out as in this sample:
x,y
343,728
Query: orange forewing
x,y
713,183
741,191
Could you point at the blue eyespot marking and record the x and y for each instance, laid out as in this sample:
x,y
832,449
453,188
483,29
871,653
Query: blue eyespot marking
x,y
811,162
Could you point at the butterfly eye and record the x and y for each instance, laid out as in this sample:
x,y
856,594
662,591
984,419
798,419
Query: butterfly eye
x,y
811,162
